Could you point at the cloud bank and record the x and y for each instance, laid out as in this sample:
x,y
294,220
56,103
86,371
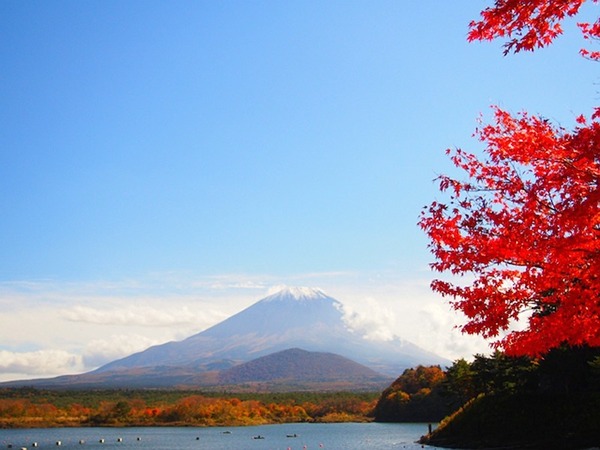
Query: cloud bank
x,y
135,315
40,363
77,327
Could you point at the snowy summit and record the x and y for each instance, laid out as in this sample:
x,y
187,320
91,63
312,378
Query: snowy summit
x,y
297,293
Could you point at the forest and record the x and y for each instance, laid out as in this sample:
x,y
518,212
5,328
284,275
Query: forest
x,y
28,407
501,400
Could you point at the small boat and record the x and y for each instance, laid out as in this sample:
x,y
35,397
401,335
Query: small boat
x,y
291,435
258,437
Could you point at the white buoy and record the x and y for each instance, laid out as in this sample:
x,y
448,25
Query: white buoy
x,y
35,444
81,441
119,439
101,441
139,438
58,443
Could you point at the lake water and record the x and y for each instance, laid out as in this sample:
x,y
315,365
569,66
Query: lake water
x,y
304,436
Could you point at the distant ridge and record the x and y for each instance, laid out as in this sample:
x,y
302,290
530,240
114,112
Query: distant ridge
x,y
294,318
295,365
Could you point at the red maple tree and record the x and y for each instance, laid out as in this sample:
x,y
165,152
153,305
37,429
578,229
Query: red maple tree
x,y
525,225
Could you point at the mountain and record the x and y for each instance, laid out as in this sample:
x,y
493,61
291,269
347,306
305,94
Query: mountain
x,y
300,318
292,318
295,367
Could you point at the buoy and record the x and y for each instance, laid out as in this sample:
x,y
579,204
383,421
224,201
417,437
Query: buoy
x,y
81,441
119,439
139,438
101,441
58,443
35,444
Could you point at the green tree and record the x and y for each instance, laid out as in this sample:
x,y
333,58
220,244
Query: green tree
x,y
459,381
501,373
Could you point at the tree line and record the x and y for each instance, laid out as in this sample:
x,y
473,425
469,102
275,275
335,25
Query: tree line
x,y
430,394
28,407
503,400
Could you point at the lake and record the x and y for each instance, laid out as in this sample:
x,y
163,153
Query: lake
x,y
303,436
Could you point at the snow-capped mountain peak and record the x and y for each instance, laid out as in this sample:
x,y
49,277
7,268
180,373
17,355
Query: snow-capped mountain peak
x,y
295,317
297,293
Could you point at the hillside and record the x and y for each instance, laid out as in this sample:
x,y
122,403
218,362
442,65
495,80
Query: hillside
x,y
299,367
509,402
524,420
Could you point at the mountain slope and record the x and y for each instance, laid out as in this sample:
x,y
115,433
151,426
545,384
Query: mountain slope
x,y
299,365
293,318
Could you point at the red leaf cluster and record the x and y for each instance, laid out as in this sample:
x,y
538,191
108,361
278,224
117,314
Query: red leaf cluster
x,y
526,227
530,24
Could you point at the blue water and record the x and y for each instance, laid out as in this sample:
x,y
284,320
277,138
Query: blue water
x,y
343,436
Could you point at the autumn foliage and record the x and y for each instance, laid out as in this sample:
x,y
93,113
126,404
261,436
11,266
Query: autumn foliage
x,y
526,228
522,229
415,396
530,24
38,408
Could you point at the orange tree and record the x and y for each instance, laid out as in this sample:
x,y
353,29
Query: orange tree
x,y
524,225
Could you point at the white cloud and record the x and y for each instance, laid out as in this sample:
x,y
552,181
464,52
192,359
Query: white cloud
x,y
102,351
384,306
441,327
373,322
38,363
142,316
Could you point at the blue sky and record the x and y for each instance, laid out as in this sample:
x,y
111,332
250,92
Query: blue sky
x,y
160,157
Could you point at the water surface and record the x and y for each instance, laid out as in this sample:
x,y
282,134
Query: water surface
x,y
304,436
